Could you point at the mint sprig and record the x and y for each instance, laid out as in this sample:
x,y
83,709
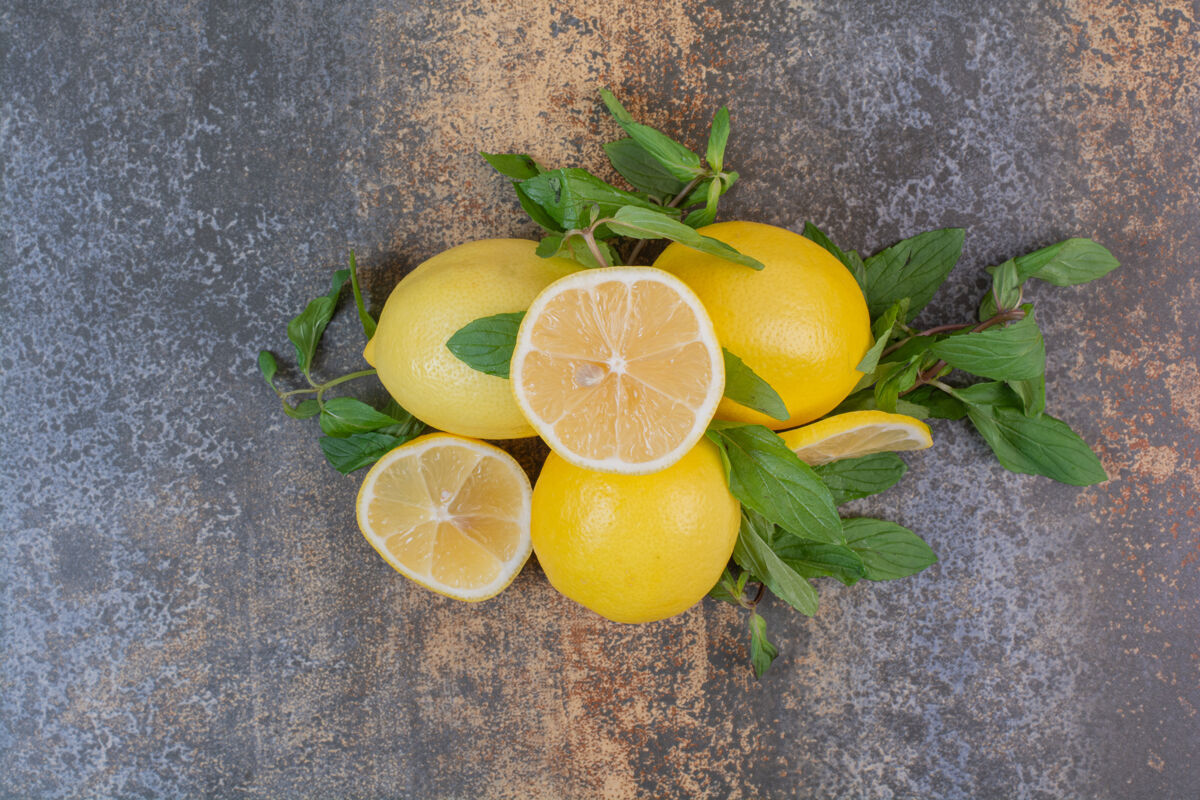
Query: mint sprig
x,y
356,434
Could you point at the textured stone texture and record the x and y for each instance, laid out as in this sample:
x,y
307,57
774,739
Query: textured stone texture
x,y
187,607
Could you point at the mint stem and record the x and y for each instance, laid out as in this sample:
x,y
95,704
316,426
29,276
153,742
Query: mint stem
x,y
679,198
930,374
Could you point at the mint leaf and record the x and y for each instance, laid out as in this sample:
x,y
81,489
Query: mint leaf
x,y
1036,445
639,223
367,321
1006,284
406,426
675,158
743,385
513,165
852,478
902,378
305,329
536,212
913,268
568,197
718,136
705,216
882,330
1067,263
931,403
267,366
762,652
1010,352
576,248
820,560
699,195
302,410
850,260
549,246
360,450
1032,392
888,551
864,400
990,393
766,476
344,416
726,589
642,170
486,344
753,552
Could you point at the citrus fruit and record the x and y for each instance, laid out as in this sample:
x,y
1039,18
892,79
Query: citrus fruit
x,y
635,548
857,433
618,369
450,513
450,290
801,323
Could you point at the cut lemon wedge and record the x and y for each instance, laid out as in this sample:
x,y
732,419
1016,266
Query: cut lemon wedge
x,y
618,369
857,433
450,513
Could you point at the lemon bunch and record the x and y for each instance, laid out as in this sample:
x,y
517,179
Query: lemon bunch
x,y
620,371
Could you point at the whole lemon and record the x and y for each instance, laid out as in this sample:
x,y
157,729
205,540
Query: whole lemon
x,y
635,548
450,290
801,323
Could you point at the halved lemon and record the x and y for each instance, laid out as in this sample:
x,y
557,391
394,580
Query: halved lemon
x,y
450,513
618,369
857,433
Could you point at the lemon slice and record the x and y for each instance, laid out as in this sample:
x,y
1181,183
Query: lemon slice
x,y
618,369
856,433
450,513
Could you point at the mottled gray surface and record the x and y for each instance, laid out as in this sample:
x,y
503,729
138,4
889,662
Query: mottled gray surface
x,y
187,606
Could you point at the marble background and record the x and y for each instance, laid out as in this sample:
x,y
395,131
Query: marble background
x,y
187,607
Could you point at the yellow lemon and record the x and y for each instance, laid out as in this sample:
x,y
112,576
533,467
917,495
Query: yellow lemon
x,y
450,290
618,369
450,513
635,548
857,433
801,323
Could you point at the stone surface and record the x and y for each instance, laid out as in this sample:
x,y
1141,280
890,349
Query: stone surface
x,y
187,606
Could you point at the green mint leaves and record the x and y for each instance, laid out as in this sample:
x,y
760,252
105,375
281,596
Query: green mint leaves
x,y
569,196
364,318
642,170
850,260
762,652
486,344
356,434
676,159
1068,263
638,223
743,385
767,477
790,532
854,478
913,268
754,553
1012,352
517,166
306,329
1036,444
674,192
888,551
